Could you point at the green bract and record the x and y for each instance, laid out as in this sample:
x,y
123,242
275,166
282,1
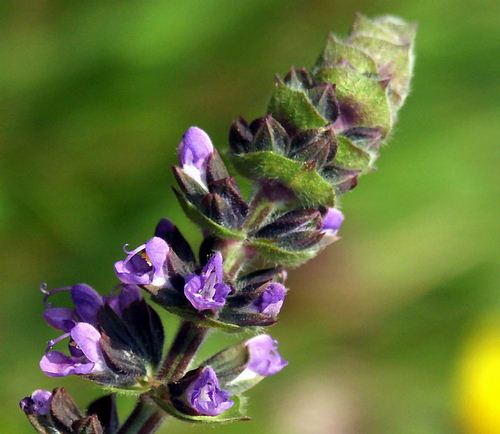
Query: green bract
x,y
300,177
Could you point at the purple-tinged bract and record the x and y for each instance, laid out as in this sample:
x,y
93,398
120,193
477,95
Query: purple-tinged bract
x,y
205,396
38,403
264,358
145,265
207,290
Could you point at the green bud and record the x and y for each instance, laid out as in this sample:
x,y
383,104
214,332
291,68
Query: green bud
x,y
326,126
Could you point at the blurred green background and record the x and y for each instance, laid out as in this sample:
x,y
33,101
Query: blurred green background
x,y
395,329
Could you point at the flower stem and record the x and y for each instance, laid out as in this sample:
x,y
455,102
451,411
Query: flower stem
x,y
185,346
147,417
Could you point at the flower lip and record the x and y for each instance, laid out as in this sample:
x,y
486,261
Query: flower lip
x,y
264,358
205,396
38,403
145,265
207,290
86,358
271,300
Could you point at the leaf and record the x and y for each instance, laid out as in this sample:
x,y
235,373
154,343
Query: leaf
x,y
234,414
241,385
274,254
293,107
350,156
229,363
363,97
193,213
337,51
374,28
88,425
63,408
394,61
310,188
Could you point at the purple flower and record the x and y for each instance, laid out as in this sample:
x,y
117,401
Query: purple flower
x,y
87,304
205,396
86,356
145,265
79,324
332,221
207,290
271,300
194,151
264,358
38,403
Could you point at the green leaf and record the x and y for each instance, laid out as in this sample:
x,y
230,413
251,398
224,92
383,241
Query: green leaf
x,y
350,156
234,414
238,386
396,59
229,363
295,107
193,213
365,96
337,51
274,254
374,28
310,188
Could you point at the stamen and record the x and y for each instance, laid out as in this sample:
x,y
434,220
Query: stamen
x,y
53,342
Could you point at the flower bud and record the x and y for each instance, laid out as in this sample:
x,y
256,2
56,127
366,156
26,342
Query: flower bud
x,y
194,152
332,220
334,117
56,412
38,403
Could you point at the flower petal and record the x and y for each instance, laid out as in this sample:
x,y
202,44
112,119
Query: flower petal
x,y
332,221
87,302
57,364
61,318
157,250
264,359
195,148
87,338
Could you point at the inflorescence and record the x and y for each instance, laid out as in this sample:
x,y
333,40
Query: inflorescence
x,y
323,129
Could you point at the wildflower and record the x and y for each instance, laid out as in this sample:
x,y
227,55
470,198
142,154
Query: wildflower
x,y
271,300
205,396
145,265
207,290
264,358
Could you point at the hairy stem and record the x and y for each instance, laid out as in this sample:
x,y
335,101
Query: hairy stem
x,y
185,346
147,417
